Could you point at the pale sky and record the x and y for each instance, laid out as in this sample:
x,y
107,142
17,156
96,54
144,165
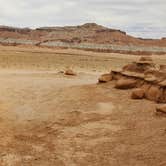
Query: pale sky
x,y
143,18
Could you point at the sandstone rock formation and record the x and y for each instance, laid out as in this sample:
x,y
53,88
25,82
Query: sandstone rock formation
x,y
145,75
105,78
125,83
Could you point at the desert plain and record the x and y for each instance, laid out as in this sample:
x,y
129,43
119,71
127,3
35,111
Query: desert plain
x,y
48,118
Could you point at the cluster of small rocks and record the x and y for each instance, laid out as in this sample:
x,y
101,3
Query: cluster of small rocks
x,y
144,77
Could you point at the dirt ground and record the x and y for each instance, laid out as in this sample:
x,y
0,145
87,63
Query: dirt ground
x,y
48,119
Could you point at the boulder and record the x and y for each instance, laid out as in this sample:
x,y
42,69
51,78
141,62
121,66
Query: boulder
x,y
161,109
153,93
105,78
70,72
137,93
126,83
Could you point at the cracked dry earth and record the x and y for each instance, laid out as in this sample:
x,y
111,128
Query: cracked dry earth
x,y
52,120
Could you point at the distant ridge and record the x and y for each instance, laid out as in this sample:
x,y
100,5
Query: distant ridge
x,y
88,33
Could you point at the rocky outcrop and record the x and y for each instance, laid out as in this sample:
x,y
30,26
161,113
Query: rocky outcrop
x,y
146,78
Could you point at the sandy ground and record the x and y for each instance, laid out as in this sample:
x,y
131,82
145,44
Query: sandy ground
x,y
48,119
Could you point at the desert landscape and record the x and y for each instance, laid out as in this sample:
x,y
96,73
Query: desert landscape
x,y
54,111
82,83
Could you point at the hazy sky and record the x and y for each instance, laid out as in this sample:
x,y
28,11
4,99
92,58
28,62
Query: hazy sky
x,y
146,18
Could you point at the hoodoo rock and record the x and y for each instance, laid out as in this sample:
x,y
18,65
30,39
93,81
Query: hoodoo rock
x,y
148,77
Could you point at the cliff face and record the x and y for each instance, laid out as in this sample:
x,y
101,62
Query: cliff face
x,y
87,33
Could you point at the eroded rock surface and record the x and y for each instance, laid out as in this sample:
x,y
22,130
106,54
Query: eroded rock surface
x,y
145,75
